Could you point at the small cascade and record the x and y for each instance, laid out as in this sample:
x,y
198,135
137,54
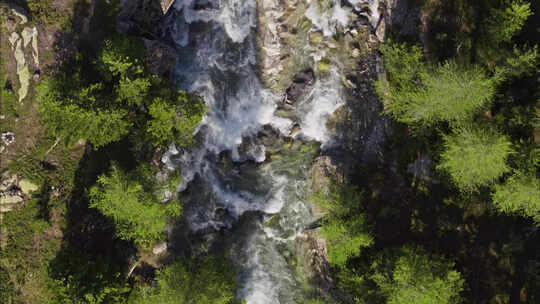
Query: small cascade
x,y
248,163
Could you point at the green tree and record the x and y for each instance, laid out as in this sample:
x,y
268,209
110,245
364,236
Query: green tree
x,y
520,194
474,157
420,279
136,213
419,96
403,63
112,96
505,22
72,122
520,62
344,228
207,280
174,122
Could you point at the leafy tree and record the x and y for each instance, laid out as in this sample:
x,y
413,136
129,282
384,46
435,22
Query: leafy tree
x,y
132,91
112,96
505,22
172,122
418,96
474,157
207,280
403,63
345,228
137,214
520,194
71,122
420,279
520,62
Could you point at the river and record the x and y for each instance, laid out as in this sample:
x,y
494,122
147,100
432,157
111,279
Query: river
x,y
249,174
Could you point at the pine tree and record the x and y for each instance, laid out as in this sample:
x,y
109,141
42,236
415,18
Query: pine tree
x,y
421,279
519,194
474,157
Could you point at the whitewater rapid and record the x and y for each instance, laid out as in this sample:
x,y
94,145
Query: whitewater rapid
x,y
227,174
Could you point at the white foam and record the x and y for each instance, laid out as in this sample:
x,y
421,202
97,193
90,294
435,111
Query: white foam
x,y
325,20
323,100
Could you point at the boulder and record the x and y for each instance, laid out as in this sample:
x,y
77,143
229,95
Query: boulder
x,y
27,186
7,181
22,69
313,265
31,35
269,40
7,200
301,83
160,248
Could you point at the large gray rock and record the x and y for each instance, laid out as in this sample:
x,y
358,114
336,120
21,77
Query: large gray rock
x,y
269,12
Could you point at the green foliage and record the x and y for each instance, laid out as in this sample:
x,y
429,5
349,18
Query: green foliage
x,y
8,102
72,122
112,96
23,225
136,213
521,62
7,289
345,227
505,22
207,280
421,279
77,278
43,10
132,91
172,122
65,116
403,63
418,96
474,157
121,57
345,238
520,194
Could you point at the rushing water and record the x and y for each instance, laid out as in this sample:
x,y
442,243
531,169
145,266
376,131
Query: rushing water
x,y
228,175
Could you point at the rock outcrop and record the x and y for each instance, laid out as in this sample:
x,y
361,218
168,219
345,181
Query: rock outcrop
x,y
22,44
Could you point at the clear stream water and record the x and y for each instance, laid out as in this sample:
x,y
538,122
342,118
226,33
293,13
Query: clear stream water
x,y
228,174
